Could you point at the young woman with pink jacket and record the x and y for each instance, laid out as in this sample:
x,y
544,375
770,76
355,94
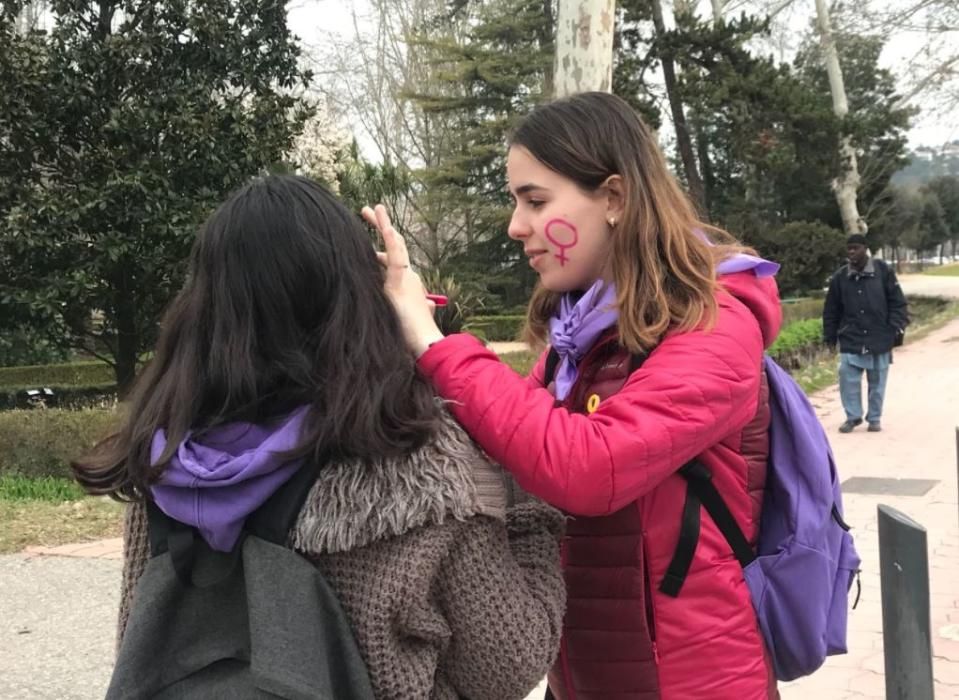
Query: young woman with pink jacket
x,y
659,322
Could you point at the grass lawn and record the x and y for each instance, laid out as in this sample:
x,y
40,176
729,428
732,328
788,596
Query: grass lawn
x,y
943,271
51,512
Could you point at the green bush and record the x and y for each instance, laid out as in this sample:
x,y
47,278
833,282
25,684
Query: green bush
x,y
797,335
22,345
496,328
799,344
40,442
461,301
66,374
808,253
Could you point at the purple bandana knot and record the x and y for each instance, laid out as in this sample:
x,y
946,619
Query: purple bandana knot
x,y
574,330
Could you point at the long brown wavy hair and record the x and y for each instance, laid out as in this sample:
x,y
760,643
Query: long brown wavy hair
x,y
283,307
663,267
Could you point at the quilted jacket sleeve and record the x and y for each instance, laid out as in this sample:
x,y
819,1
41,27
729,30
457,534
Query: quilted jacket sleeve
x,y
695,389
538,372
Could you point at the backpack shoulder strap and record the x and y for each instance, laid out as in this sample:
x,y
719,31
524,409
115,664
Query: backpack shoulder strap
x,y
882,269
169,535
700,491
273,520
552,362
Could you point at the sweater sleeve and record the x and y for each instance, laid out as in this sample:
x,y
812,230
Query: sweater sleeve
x,y
136,552
694,390
503,596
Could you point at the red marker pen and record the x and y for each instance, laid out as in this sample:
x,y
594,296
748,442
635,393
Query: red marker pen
x,y
438,299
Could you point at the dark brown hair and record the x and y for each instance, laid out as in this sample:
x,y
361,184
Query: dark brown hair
x,y
663,267
283,306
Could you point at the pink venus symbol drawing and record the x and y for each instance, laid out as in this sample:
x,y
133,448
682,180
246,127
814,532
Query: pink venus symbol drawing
x,y
563,235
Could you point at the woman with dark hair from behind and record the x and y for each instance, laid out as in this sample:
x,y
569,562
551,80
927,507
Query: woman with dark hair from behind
x,y
283,348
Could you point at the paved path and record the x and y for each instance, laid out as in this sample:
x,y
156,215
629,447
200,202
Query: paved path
x,y
930,285
58,606
918,441
57,618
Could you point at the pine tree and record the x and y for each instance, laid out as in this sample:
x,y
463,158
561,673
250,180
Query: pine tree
x,y
487,78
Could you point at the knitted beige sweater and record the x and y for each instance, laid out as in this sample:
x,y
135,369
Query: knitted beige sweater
x,y
448,598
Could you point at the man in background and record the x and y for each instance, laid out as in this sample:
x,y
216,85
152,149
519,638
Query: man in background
x,y
866,313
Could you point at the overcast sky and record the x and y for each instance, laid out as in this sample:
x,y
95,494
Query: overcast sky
x,y
312,19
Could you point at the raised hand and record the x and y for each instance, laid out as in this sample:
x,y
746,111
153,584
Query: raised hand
x,y
403,285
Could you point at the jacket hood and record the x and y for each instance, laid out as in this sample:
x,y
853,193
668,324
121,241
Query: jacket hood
x,y
760,295
216,479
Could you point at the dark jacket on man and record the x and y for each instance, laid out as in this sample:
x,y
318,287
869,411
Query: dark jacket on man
x,y
865,309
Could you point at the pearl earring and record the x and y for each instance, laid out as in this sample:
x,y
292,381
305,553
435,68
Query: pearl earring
x,y
612,222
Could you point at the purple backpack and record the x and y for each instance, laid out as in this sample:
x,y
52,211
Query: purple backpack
x,y
805,562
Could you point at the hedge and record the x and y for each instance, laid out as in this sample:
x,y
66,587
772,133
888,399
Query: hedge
x,y
68,374
87,384
40,443
94,396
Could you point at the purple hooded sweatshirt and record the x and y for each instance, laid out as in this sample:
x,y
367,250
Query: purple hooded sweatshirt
x,y
214,482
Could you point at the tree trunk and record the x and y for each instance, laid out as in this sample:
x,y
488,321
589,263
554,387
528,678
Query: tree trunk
x,y
545,39
683,140
709,181
127,338
846,184
717,11
584,46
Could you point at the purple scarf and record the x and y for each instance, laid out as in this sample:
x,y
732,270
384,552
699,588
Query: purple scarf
x,y
578,323
576,327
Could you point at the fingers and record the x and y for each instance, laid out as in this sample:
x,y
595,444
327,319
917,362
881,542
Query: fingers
x,y
396,254
369,216
393,242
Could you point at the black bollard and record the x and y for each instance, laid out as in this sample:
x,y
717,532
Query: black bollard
x,y
906,623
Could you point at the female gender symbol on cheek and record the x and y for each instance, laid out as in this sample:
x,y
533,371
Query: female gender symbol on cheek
x,y
568,237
